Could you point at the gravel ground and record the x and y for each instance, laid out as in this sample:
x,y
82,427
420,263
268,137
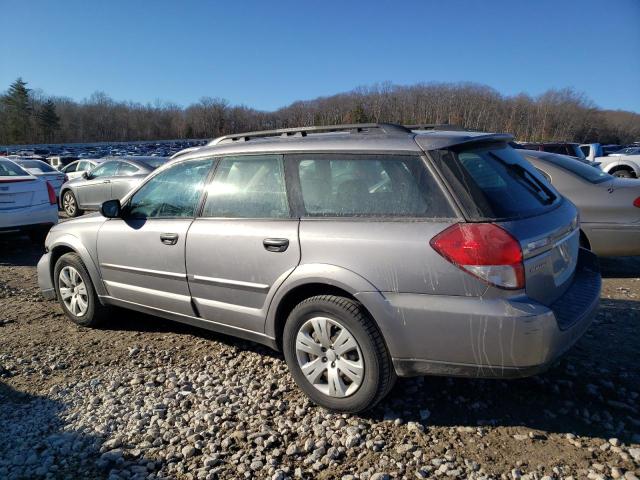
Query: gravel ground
x,y
147,398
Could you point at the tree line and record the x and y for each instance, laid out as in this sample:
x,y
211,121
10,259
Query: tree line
x,y
29,116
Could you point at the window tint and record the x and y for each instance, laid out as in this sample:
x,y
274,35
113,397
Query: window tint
x,y
248,187
494,182
107,169
583,170
369,185
71,167
36,164
10,169
174,192
127,169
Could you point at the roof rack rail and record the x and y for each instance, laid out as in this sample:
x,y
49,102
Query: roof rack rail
x,y
436,126
387,128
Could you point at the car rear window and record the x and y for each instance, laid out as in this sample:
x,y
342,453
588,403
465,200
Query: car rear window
x,y
10,169
588,172
43,167
493,182
344,185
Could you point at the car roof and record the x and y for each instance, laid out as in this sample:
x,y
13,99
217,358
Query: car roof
x,y
381,137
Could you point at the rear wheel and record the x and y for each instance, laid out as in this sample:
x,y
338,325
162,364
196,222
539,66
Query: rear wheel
x,y
622,173
76,293
70,204
336,354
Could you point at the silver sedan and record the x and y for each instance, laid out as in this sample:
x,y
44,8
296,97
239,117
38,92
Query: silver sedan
x,y
110,180
609,206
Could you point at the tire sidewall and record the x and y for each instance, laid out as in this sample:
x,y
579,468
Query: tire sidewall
x,y
368,390
73,260
67,194
622,174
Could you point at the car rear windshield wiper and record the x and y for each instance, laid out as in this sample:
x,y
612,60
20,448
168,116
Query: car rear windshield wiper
x,y
521,174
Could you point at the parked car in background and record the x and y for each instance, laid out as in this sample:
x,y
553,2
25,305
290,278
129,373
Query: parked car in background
x,y
77,168
627,151
563,148
609,149
625,165
112,178
42,169
591,151
609,206
27,203
58,161
362,251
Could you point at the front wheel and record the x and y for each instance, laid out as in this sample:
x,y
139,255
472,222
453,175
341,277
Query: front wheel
x,y
70,204
336,354
76,293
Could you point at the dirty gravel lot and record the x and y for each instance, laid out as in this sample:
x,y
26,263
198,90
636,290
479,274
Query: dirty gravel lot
x,y
147,398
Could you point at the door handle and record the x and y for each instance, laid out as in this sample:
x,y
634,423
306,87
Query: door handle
x,y
276,244
107,181
169,238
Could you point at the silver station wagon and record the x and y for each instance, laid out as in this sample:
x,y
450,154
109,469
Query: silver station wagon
x,y
362,252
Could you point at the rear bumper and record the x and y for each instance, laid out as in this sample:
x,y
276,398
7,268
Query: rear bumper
x,y
486,337
28,218
613,239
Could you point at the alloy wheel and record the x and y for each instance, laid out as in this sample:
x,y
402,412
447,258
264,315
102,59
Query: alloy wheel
x,y
69,204
73,291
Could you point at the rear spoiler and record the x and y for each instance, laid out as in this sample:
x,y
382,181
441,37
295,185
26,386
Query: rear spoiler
x,y
435,141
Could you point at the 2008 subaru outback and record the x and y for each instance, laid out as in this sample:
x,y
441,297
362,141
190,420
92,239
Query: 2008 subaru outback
x,y
362,251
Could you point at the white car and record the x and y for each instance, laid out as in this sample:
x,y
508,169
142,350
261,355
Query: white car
x,y
625,165
77,168
43,170
27,203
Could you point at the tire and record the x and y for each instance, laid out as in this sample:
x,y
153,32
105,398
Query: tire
x,y
370,352
95,313
622,173
70,204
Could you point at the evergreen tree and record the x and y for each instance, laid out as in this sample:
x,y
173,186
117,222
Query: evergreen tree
x,y
17,109
48,120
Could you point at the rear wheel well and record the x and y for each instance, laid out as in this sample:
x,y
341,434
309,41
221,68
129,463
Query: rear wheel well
x,y
301,293
627,168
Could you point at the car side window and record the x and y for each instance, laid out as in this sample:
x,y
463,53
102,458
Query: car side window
x,y
172,193
248,187
126,169
107,169
71,168
369,185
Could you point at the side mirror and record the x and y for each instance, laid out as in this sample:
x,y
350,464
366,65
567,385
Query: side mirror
x,y
111,209
85,174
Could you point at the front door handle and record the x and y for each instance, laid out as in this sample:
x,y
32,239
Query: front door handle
x,y
106,181
169,238
276,244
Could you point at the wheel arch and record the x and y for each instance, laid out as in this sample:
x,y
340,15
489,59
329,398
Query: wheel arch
x,y
311,280
623,165
71,244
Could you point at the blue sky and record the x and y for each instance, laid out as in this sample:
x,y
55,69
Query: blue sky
x,y
267,54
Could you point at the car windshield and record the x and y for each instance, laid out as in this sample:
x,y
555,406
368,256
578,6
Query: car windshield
x,y
494,182
586,171
10,169
36,164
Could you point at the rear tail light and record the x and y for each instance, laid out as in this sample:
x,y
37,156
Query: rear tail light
x,y
52,194
485,251
636,202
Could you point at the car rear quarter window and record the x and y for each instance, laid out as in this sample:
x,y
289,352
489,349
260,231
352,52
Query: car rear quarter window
x,y
493,182
343,185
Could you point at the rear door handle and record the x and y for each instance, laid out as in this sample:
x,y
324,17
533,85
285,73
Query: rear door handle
x,y
169,238
276,244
